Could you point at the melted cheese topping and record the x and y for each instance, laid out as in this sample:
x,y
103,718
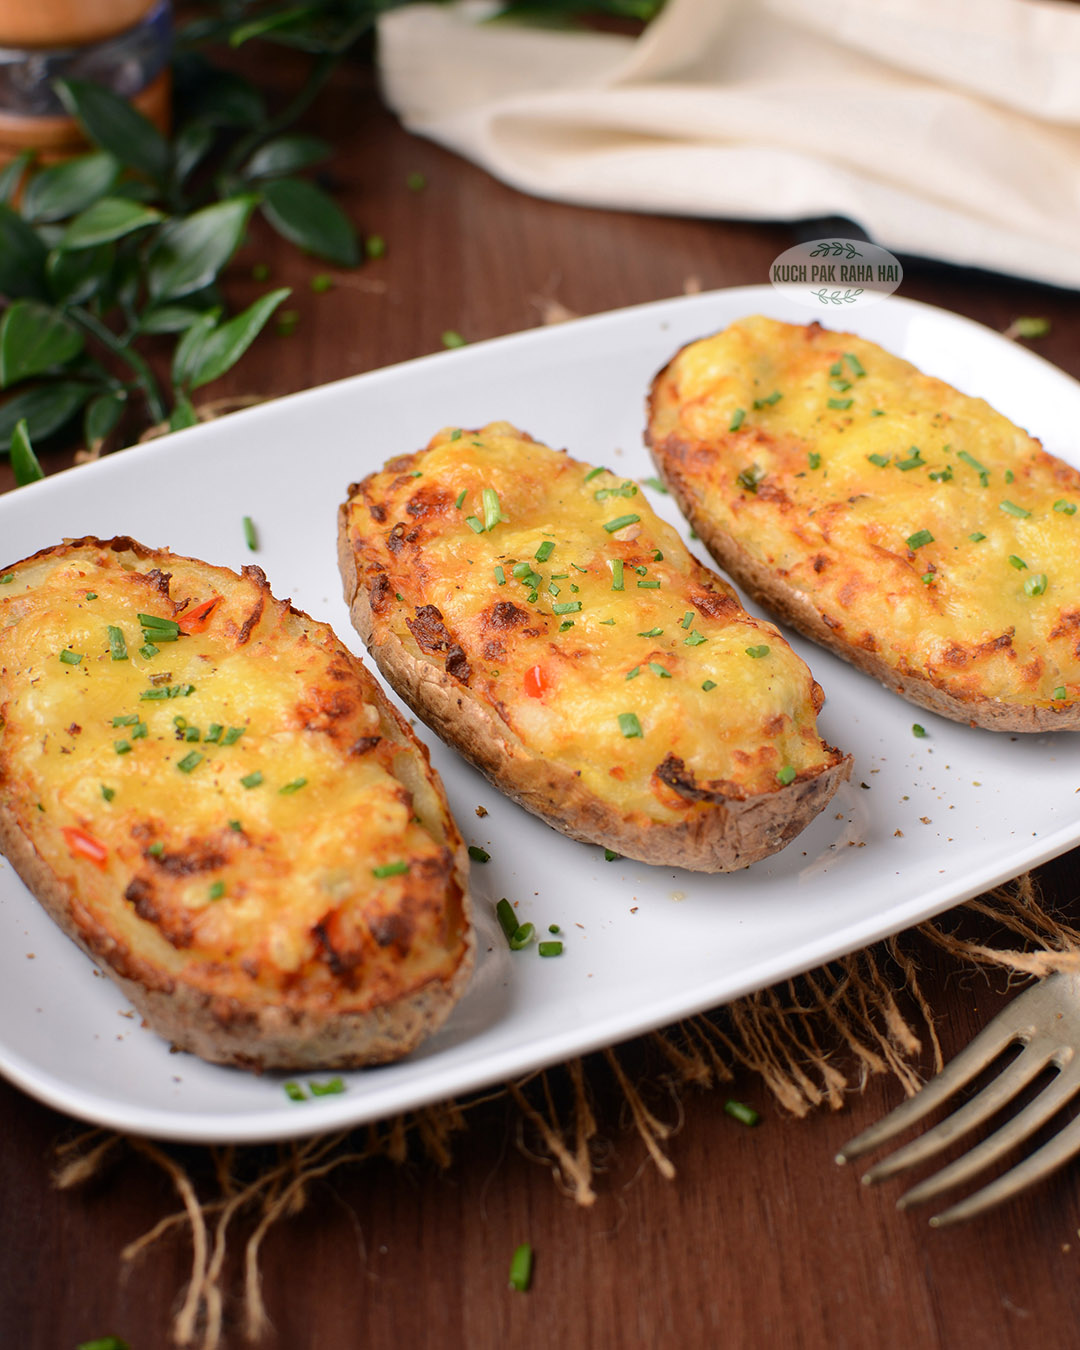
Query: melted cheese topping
x,y
922,524
239,781
559,597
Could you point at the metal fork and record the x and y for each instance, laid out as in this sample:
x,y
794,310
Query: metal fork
x,y
1045,1020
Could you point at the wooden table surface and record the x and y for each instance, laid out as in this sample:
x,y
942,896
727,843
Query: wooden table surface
x,y
759,1240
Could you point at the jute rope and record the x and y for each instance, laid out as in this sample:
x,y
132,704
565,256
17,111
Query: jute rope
x,y
811,1040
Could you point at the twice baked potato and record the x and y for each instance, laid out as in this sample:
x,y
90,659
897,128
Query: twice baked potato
x,y
543,620
908,527
215,800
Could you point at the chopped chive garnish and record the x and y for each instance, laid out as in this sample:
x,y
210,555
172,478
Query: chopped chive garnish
x,y
1016,562
455,435
632,674
813,459
251,780
213,732
394,869
331,1088
942,475
648,585
695,639
504,912
855,364
1059,692
148,650
745,1115
620,522
1014,510
553,928
919,539
235,825
658,669
521,570
977,537
877,412
928,578
250,537
521,1268
190,733
913,461
629,725
610,622
117,645
687,619
1009,475
492,510
610,855
294,786
109,793
774,397
652,632
882,461
655,484
579,569
153,621
839,384
294,1092
452,338
566,607
737,419
750,478
544,552
836,369
785,775
475,524
190,761
642,571
232,735
841,404
500,576
918,731
9,577
554,588
128,721
1066,508
1035,584
461,495
140,731
70,658
758,652
522,937
532,597
156,849
972,462
593,473
478,854
217,890
616,574
709,684
550,948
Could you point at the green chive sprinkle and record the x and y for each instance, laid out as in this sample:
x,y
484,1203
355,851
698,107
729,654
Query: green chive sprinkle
x,y
1014,510
877,412
521,570
232,735
655,484
191,761
616,574
474,524
658,669
918,731
942,475
550,948
217,890
841,404
331,1088
294,1092
642,571
914,460
544,552
521,1268
593,473
1066,508
610,855
140,731
745,1115
156,849
882,461
774,397
1016,562
451,338
394,869
70,658
1059,692
117,645
657,556
695,639
128,721
109,793
522,937
629,725
709,684
972,462
1009,475
620,522
461,497
855,364
554,588
456,434
813,459
566,607
977,537
9,577
1035,584
294,786
648,585
785,775
919,539
633,674
504,912
927,578
652,632
757,652
478,854
553,928
148,650
500,576
492,510
737,419
235,825
251,780
687,619
836,369
155,621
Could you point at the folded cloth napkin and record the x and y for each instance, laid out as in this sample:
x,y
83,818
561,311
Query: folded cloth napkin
x,y
948,129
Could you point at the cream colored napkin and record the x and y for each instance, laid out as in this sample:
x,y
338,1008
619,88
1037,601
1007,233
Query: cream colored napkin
x,y
948,129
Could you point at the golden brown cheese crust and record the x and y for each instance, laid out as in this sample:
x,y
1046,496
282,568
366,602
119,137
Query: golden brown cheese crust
x,y
910,528
544,621
212,796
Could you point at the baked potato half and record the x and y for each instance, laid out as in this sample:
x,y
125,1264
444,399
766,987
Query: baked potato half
x,y
216,801
540,617
910,528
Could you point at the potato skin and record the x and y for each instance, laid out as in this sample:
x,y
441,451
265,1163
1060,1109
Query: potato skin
x,y
819,501
225,879
529,675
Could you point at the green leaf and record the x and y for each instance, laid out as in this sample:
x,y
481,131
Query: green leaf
x,y
33,339
191,144
11,174
307,217
111,218
65,189
46,408
268,23
24,462
169,319
22,257
224,346
113,124
188,353
74,277
285,154
189,252
183,414
216,96
102,415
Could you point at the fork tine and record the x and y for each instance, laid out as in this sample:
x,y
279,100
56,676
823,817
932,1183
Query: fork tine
x,y
1037,1165
971,1060
1013,1132
1002,1089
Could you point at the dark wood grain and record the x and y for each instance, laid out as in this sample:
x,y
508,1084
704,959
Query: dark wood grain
x,y
759,1241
